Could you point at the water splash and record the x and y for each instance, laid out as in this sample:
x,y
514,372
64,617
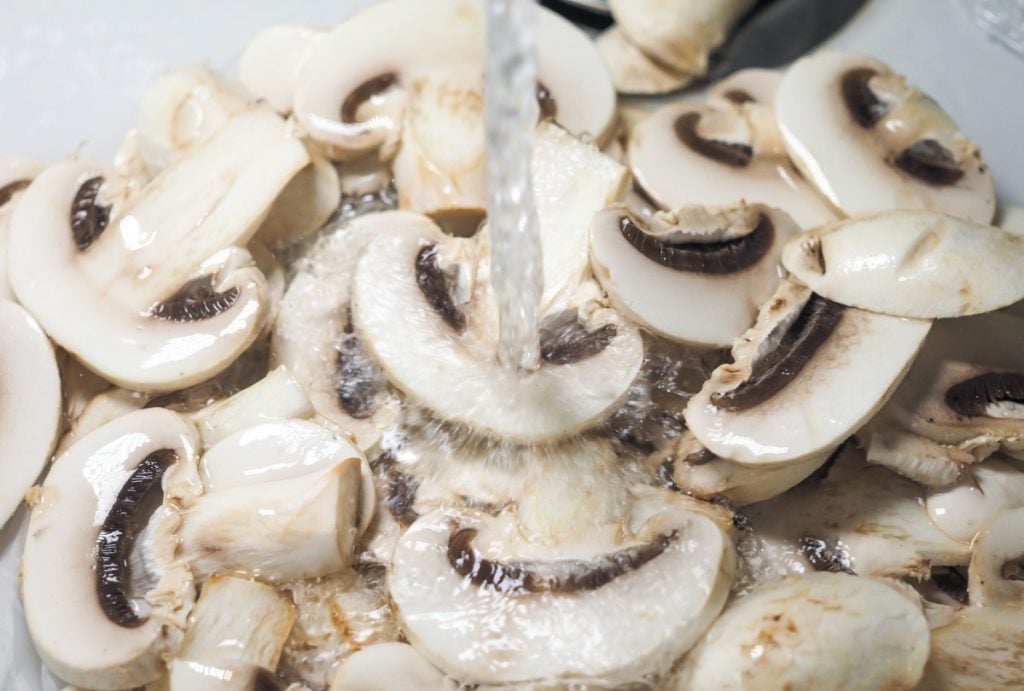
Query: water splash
x,y
512,112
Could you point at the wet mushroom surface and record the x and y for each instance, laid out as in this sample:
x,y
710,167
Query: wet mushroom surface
x,y
255,396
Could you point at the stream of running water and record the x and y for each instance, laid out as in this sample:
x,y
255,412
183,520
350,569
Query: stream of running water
x,y
511,111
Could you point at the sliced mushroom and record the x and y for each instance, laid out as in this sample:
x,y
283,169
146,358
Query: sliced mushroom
x,y
315,340
92,625
859,518
182,109
917,458
983,491
752,86
300,526
104,407
234,640
275,398
805,377
385,667
448,333
697,471
720,154
678,33
911,264
154,295
30,399
982,645
283,450
572,181
961,392
695,276
15,176
273,60
613,609
823,630
303,206
870,142
405,77
632,71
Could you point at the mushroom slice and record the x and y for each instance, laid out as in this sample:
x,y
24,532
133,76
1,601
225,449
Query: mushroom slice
x,y
859,518
964,389
104,407
678,33
394,44
299,527
917,458
15,175
754,86
632,71
822,630
88,625
870,142
983,491
695,276
154,296
30,398
183,108
314,337
982,646
698,472
235,635
388,666
720,154
589,361
303,206
273,60
806,376
911,264
614,615
274,398
572,181
281,451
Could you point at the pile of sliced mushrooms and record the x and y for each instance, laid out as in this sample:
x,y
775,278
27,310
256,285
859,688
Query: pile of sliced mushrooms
x,y
775,441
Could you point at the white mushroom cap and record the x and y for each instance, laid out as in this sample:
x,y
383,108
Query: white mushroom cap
x,y
638,621
75,632
853,165
313,336
911,264
385,667
985,490
803,379
749,165
823,630
665,273
406,39
273,60
858,518
116,304
30,410
678,33
15,175
425,347
632,71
